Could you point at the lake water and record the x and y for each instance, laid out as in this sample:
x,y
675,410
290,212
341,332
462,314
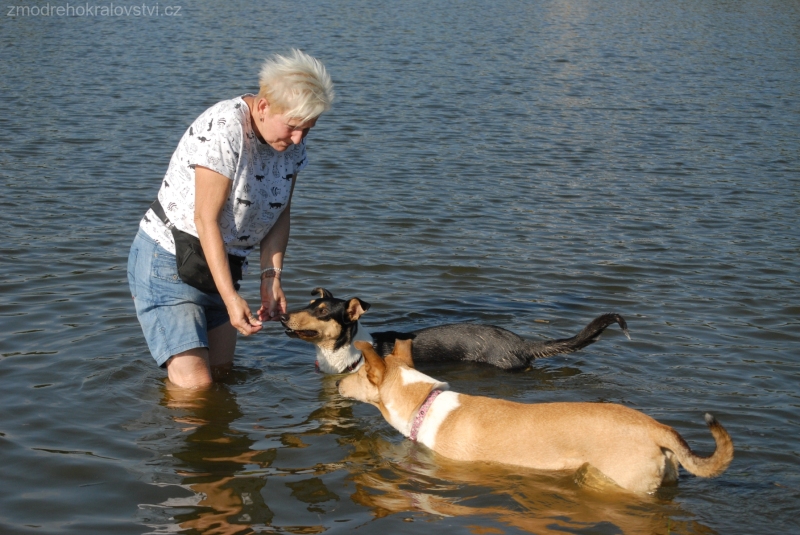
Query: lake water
x,y
525,164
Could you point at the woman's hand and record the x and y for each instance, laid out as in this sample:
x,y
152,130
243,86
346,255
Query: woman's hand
x,y
241,317
273,301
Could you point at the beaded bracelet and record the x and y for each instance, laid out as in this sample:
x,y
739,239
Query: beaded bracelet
x,y
270,272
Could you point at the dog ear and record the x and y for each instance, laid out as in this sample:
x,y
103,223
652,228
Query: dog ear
x,y
356,308
402,352
323,293
373,362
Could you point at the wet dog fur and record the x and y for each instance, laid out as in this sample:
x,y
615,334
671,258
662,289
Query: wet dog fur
x,y
621,446
332,325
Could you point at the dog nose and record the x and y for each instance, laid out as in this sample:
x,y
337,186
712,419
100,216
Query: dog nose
x,y
337,383
284,318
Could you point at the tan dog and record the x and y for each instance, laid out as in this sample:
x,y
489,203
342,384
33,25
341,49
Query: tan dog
x,y
626,446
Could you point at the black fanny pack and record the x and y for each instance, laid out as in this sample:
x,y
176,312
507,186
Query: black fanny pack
x,y
192,265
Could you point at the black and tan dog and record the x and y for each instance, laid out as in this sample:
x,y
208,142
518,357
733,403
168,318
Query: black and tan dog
x,y
332,326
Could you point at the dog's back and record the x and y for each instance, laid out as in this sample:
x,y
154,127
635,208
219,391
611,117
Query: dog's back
x,y
634,450
488,344
468,342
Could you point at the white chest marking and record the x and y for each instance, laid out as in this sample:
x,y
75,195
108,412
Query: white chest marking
x,y
337,361
399,419
441,408
410,376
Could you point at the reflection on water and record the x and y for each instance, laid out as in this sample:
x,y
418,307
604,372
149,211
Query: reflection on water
x,y
416,480
224,472
210,462
227,478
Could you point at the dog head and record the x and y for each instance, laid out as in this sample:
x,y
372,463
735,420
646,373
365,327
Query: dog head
x,y
330,324
391,384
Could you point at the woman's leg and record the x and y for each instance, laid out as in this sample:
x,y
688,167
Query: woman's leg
x,y
199,367
190,369
222,344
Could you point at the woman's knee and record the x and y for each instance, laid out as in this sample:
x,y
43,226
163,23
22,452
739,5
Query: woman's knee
x,y
190,369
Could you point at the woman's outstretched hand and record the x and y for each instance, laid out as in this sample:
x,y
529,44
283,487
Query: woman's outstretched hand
x,y
273,300
241,317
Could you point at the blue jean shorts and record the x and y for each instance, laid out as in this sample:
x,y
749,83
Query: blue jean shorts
x,y
175,317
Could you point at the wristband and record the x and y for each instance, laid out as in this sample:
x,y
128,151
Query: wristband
x,y
270,272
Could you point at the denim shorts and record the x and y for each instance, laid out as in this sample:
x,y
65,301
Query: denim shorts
x,y
175,317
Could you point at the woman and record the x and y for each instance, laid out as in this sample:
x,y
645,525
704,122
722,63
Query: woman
x,y
229,183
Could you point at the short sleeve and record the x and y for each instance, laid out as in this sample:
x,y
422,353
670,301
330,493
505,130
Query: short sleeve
x,y
215,140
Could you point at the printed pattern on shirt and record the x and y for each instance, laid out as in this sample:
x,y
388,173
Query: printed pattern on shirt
x,y
222,139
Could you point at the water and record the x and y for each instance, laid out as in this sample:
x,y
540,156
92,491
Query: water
x,y
499,163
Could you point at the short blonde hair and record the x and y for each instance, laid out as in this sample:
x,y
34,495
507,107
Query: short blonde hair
x,y
296,85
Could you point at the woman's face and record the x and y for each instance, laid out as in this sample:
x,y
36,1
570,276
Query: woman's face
x,y
277,130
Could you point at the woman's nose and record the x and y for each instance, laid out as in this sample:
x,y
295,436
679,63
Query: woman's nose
x,y
297,136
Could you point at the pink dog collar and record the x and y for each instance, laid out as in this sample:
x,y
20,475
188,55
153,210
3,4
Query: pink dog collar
x,y
423,410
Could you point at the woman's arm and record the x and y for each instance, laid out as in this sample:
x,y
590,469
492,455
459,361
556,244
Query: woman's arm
x,y
211,193
273,249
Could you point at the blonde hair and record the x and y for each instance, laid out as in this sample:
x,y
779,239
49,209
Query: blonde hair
x,y
296,85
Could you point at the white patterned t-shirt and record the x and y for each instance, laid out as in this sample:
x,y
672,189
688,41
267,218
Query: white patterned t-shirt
x,y
222,139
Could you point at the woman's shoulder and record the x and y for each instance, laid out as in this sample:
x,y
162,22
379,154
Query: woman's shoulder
x,y
225,120
233,109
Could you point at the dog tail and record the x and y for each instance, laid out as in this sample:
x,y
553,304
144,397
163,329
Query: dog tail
x,y
710,466
589,335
